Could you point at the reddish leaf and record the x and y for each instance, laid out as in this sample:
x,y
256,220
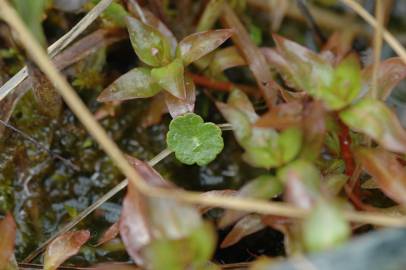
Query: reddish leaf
x,y
254,57
7,236
314,129
246,226
304,69
64,247
111,233
157,108
390,73
177,106
134,228
386,170
282,116
134,221
193,47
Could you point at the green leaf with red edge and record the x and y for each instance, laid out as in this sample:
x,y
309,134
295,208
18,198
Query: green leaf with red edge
x,y
390,72
302,183
171,78
389,174
64,247
197,45
136,83
305,69
263,187
7,236
150,45
247,225
325,227
373,118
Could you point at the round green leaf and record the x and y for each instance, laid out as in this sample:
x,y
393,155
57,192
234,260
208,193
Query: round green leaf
x,y
194,141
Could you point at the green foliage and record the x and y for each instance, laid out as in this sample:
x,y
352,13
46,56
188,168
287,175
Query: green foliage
x,y
345,85
325,227
194,141
150,45
264,147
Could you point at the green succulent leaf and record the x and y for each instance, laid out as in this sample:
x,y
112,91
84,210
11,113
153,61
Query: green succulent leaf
x,y
373,118
149,44
195,46
194,141
136,83
171,78
325,227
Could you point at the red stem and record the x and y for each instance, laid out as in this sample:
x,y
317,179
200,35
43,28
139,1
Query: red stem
x,y
209,83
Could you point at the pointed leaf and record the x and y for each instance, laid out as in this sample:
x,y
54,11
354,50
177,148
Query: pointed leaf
x,y
111,233
244,227
7,236
171,78
193,47
226,58
325,227
238,120
64,247
386,170
134,224
134,228
149,44
305,68
263,187
373,118
178,106
136,83
238,99
390,73
194,141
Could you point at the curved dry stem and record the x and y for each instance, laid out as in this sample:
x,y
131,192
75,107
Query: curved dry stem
x,y
392,41
100,135
58,46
